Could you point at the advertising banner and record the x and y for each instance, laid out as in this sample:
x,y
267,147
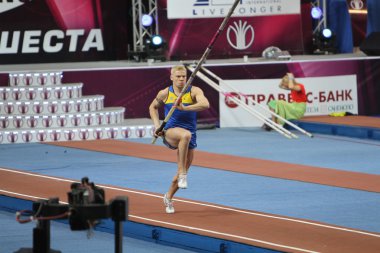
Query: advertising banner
x,y
219,8
188,27
325,95
59,31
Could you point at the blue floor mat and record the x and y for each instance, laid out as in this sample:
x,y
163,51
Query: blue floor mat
x,y
345,207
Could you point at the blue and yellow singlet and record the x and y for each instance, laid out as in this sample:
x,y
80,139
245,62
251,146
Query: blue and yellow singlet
x,y
183,119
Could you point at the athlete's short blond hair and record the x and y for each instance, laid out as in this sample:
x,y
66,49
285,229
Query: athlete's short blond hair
x,y
177,68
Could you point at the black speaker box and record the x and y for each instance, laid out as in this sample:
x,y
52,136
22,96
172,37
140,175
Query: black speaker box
x,y
371,44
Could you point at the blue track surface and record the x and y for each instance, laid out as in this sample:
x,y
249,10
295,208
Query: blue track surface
x,y
339,206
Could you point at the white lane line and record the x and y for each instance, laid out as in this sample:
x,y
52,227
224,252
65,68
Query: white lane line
x,y
224,234
208,205
186,227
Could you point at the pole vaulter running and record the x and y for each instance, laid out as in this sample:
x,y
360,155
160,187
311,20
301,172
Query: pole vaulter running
x,y
198,66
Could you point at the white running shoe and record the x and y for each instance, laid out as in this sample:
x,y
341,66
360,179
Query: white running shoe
x,y
169,204
182,181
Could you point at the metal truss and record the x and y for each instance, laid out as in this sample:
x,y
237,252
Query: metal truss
x,y
322,22
140,33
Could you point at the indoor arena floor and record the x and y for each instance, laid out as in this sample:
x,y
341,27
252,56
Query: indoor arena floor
x,y
246,186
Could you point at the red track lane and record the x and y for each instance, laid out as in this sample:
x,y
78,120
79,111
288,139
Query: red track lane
x,y
253,228
317,175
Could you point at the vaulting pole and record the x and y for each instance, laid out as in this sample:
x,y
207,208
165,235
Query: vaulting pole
x,y
198,66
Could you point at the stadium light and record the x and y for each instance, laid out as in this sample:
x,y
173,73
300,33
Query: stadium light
x,y
324,42
316,12
155,48
146,20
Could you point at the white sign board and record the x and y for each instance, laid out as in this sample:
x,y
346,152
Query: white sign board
x,y
183,9
325,95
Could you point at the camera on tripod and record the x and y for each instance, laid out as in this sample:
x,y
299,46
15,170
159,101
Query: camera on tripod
x,y
86,207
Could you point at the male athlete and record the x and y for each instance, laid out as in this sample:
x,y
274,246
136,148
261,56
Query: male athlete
x,y
180,130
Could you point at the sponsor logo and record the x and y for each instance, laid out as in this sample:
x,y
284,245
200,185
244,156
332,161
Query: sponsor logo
x,y
220,8
6,5
214,2
243,35
216,8
357,4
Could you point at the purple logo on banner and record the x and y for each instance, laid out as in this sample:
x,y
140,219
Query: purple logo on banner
x,y
112,133
78,106
9,108
23,108
12,137
53,108
41,136
4,94
4,122
98,134
14,80
99,119
66,107
32,122
30,94
58,94
47,122
88,120
62,121
16,95
18,122
84,134
69,135
55,135
28,80
37,108
140,132
126,132
70,93
27,136
75,120
42,79
45,94
55,78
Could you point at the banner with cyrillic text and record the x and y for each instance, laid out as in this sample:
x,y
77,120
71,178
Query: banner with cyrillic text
x,y
325,95
62,31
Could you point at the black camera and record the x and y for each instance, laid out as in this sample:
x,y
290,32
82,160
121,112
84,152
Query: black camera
x,y
86,207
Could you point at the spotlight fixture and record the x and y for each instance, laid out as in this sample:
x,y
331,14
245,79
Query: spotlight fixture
x,y
316,12
146,20
327,33
155,48
324,42
157,40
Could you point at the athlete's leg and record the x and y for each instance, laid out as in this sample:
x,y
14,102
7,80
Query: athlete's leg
x,y
174,185
179,137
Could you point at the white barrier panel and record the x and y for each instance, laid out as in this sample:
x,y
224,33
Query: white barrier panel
x,y
35,79
325,95
76,134
65,120
84,104
41,93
